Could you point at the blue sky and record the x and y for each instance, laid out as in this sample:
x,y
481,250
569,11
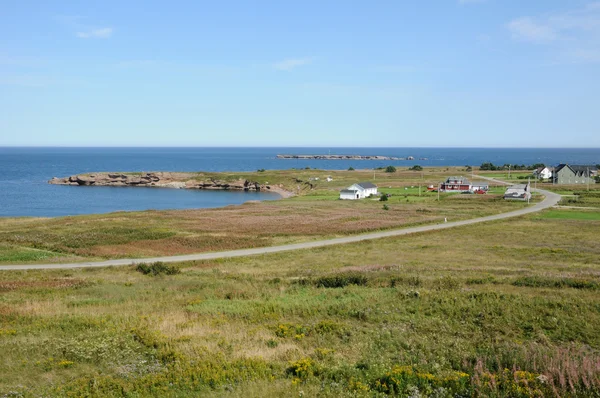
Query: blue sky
x,y
466,73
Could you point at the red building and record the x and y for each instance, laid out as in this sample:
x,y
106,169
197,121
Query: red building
x,y
455,184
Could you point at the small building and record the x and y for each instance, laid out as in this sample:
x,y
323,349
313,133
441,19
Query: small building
x,y
455,184
574,174
480,186
518,192
543,173
359,191
349,194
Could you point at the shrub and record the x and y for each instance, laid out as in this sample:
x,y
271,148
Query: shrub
x,y
405,280
303,368
390,169
416,167
350,168
341,280
157,268
261,170
386,207
383,198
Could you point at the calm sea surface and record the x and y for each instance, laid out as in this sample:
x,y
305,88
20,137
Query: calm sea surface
x,y
24,173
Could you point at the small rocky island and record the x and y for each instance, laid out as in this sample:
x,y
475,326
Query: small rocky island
x,y
342,157
159,179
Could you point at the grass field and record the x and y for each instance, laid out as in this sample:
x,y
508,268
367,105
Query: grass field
x,y
498,309
315,213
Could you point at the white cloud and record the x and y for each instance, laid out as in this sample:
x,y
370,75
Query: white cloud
x,y
102,33
574,35
292,63
529,30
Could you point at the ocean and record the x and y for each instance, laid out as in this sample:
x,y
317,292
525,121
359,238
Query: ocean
x,y
24,173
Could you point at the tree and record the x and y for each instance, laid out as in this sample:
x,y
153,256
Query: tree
x,y
537,166
390,169
488,166
350,168
383,197
416,167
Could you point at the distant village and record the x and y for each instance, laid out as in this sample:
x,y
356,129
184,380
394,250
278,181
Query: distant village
x,y
563,174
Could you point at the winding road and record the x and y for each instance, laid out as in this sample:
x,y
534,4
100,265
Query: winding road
x,y
550,200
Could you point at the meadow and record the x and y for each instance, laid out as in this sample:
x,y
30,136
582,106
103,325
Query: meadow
x,y
503,309
314,213
499,309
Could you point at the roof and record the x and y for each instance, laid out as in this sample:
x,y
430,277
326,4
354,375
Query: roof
x,y
366,185
518,186
579,170
462,179
480,183
352,191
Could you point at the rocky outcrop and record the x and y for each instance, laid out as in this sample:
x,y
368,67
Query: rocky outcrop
x,y
158,179
340,157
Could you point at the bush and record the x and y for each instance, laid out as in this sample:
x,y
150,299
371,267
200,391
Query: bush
x,y
386,207
390,169
350,168
157,268
383,198
261,170
416,167
341,280
559,283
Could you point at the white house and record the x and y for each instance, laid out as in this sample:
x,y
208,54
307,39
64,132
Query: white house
x,y
543,173
358,191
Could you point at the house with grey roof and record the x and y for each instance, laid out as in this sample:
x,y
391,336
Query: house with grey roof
x,y
518,192
543,173
574,174
359,191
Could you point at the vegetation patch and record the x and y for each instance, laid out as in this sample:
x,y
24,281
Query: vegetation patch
x,y
341,280
570,215
539,281
157,268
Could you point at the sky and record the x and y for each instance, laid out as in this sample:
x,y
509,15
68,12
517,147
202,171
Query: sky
x,y
411,73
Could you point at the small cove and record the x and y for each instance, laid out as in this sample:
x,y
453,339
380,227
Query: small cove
x,y
76,200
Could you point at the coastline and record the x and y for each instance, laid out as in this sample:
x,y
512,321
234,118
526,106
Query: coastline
x,y
174,180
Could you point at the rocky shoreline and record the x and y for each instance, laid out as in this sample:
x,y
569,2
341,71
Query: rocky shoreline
x,y
342,157
165,180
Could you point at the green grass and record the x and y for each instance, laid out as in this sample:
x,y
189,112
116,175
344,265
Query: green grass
x,y
438,313
571,215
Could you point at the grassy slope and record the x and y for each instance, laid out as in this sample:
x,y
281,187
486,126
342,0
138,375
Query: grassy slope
x,y
315,213
477,299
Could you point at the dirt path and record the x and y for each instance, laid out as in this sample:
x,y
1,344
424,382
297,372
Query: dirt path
x,y
550,200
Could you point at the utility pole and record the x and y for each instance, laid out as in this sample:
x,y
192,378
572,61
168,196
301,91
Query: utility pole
x,y
509,171
588,178
439,192
528,189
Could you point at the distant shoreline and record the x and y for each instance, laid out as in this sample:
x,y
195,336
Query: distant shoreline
x,y
346,157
